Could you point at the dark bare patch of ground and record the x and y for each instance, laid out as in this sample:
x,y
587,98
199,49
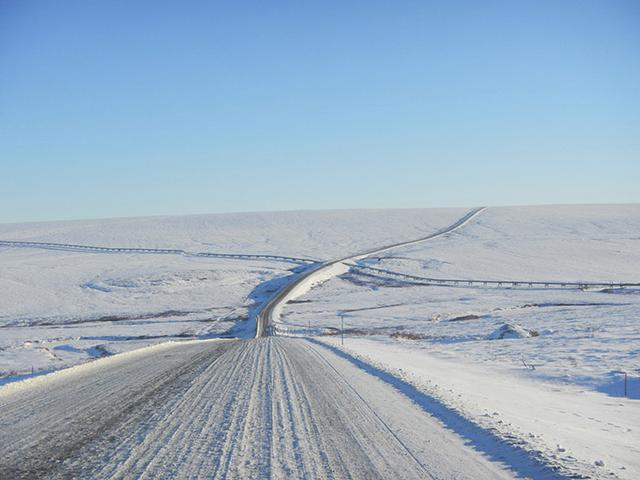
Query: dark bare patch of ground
x,y
464,317
361,332
410,336
114,318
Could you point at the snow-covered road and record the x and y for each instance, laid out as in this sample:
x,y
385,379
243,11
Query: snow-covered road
x,y
274,406
268,407
267,318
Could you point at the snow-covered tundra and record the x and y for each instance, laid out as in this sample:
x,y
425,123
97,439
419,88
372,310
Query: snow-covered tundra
x,y
540,366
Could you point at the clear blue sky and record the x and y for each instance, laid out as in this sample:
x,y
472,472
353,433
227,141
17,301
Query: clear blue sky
x,y
121,108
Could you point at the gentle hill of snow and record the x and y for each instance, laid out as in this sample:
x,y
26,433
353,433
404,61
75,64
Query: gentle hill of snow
x,y
59,308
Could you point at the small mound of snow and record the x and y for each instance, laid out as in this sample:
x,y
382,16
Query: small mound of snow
x,y
508,330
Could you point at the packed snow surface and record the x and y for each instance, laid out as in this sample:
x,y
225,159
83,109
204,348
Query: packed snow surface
x,y
261,408
541,368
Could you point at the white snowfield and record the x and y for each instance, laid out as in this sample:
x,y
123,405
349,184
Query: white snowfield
x,y
65,306
540,391
425,386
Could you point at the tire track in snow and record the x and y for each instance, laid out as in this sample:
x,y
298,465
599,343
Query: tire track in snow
x,y
260,408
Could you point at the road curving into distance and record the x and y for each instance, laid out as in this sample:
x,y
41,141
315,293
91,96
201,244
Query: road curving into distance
x,y
267,407
267,317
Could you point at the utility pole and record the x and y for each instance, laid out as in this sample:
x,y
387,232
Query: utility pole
x,y
342,327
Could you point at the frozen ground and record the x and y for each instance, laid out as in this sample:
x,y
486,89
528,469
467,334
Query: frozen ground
x,y
552,386
317,234
557,385
581,335
565,243
60,307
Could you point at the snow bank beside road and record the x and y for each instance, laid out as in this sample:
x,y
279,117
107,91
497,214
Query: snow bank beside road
x,y
42,381
567,425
